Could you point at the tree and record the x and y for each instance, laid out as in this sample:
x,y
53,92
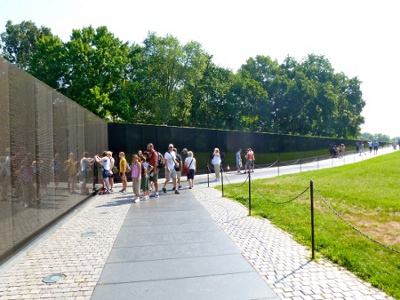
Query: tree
x,y
382,138
48,63
97,63
19,42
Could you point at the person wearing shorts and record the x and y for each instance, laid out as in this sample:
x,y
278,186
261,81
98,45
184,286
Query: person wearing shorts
x,y
153,171
249,160
238,160
190,163
170,172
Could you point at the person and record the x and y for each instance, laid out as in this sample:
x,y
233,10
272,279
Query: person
x,y
190,163
144,183
41,183
153,173
249,160
398,142
3,179
239,160
342,149
362,148
216,162
27,176
394,144
375,144
56,167
370,146
178,168
70,167
95,175
170,171
122,171
136,176
357,147
104,161
85,171
185,155
112,164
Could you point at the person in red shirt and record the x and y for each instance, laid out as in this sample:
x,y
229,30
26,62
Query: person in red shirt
x,y
249,160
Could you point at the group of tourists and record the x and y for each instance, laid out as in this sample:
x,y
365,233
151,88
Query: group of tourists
x,y
31,175
144,171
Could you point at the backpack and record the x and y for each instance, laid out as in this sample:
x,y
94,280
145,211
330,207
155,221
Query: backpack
x,y
160,161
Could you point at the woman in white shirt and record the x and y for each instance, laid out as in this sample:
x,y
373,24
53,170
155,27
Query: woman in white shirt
x,y
106,164
190,163
216,161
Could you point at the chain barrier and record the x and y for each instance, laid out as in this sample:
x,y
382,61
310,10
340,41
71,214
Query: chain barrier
x,y
226,177
270,166
291,200
352,226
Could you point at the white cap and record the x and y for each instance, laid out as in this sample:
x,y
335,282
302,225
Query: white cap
x,y
171,146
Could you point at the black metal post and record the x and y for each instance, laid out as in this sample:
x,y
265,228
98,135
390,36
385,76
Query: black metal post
x,y
208,175
222,179
312,218
249,194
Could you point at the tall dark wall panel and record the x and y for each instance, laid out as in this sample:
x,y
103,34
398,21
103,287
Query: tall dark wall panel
x,y
38,124
268,147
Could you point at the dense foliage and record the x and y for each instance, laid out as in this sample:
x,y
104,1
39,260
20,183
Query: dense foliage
x,y
165,83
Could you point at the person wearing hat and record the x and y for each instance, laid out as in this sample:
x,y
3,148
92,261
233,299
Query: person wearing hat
x,y
170,172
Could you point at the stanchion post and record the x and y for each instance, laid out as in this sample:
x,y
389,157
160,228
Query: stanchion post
x,y
249,194
222,179
208,175
312,219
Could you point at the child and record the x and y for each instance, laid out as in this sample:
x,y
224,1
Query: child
x,y
136,176
122,172
145,178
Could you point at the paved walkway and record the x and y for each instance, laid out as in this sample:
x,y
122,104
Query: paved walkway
x,y
160,249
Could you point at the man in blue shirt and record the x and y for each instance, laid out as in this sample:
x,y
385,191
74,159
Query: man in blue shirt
x,y
238,160
375,144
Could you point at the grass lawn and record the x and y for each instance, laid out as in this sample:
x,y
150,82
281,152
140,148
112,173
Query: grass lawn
x,y
366,194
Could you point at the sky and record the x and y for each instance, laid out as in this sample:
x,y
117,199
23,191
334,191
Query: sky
x,y
358,37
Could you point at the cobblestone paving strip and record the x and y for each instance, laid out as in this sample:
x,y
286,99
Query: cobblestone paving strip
x,y
78,249
282,262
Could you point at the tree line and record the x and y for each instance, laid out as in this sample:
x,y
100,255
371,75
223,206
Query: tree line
x,y
164,82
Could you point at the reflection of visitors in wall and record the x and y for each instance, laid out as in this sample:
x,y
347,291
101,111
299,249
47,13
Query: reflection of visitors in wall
x,y
41,177
3,178
85,171
56,168
26,177
70,169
